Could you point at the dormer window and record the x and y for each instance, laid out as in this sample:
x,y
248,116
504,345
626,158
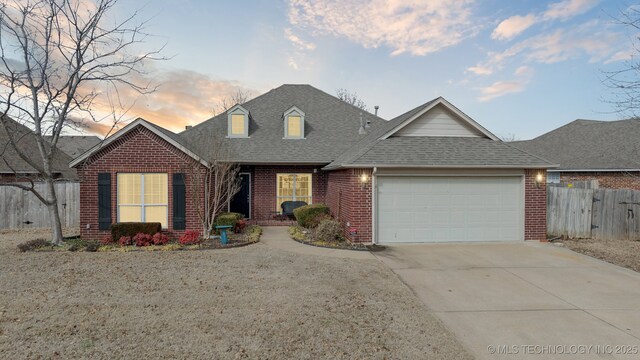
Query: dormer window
x,y
238,119
293,123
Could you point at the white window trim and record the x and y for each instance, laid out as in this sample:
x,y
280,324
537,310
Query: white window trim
x,y
294,196
142,205
294,111
238,110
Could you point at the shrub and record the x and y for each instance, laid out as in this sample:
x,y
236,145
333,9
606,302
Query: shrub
x,y
106,240
92,246
240,225
33,245
306,215
133,228
125,241
160,239
253,233
190,237
328,230
142,239
228,219
297,232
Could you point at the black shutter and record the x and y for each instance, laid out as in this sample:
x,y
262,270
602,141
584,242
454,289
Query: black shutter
x,y
104,201
179,202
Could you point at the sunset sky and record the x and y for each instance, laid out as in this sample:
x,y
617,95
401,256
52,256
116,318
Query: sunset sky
x,y
517,67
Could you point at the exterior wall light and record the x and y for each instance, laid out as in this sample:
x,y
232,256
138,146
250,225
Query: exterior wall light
x,y
364,178
539,179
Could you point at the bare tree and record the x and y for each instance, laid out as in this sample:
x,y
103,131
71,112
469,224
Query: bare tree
x,y
57,58
351,98
213,186
238,97
509,137
625,81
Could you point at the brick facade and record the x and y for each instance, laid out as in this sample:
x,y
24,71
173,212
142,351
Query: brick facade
x,y
350,202
139,151
606,179
535,205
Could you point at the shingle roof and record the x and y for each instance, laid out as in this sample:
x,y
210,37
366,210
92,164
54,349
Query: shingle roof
x,y
11,162
590,145
331,127
74,145
425,151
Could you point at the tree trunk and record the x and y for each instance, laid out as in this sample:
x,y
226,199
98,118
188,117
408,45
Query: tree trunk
x,y
54,214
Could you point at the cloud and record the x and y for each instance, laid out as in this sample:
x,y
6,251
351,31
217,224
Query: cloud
x,y
480,70
183,98
513,26
299,43
523,76
412,26
568,8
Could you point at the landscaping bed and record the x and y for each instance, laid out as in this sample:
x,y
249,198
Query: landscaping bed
x,y
625,253
302,235
252,302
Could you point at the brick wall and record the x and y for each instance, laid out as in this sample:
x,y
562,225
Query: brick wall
x,y
263,188
535,205
138,151
350,202
606,179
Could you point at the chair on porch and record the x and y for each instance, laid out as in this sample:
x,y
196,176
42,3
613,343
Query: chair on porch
x,y
289,206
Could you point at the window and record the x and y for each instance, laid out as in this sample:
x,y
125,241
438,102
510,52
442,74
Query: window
x,y
293,126
237,124
143,198
238,119
293,123
553,177
293,187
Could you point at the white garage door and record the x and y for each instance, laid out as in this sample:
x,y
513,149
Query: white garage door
x,y
449,209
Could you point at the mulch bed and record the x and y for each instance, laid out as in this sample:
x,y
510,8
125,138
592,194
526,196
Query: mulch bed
x,y
342,245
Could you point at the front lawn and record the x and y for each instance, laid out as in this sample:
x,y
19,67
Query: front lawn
x,y
248,302
624,253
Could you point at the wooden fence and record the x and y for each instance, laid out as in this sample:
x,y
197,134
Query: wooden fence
x,y
21,209
594,213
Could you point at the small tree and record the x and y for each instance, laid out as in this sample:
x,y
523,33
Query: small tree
x,y
351,98
227,102
213,185
57,57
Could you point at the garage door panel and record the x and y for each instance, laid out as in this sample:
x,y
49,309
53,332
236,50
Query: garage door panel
x,y
447,209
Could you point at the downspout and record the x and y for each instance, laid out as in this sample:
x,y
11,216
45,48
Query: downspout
x,y
374,206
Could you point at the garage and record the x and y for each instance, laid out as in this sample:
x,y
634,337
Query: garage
x,y
434,209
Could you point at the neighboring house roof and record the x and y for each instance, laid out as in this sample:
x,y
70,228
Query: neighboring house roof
x,y
590,145
331,127
382,149
11,162
74,145
171,137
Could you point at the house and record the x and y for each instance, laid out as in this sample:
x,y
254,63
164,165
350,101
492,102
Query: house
x,y
607,151
432,174
14,168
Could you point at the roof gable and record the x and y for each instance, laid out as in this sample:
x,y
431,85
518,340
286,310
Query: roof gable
x,y
439,118
165,134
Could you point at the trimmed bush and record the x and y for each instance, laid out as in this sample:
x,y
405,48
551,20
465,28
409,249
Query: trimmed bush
x,y
160,239
328,230
190,237
307,215
133,228
125,241
142,239
33,245
228,219
106,240
253,233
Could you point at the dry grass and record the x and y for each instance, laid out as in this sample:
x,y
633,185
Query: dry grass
x,y
251,302
624,253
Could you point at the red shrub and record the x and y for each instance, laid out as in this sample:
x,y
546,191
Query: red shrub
x,y
106,240
160,239
142,239
125,241
190,237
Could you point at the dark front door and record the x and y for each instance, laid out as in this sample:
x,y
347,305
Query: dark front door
x,y
241,202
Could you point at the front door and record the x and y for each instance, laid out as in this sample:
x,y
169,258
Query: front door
x,y
241,202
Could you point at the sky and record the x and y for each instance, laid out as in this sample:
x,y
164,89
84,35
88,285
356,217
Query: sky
x,y
519,68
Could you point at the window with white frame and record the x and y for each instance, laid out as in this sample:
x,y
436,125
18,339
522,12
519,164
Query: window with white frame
x,y
293,123
238,122
293,187
143,198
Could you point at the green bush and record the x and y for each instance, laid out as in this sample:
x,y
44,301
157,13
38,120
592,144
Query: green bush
x,y
253,233
228,219
308,216
34,244
297,232
132,228
328,230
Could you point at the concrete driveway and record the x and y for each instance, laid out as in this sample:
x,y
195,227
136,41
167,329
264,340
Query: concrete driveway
x,y
525,300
